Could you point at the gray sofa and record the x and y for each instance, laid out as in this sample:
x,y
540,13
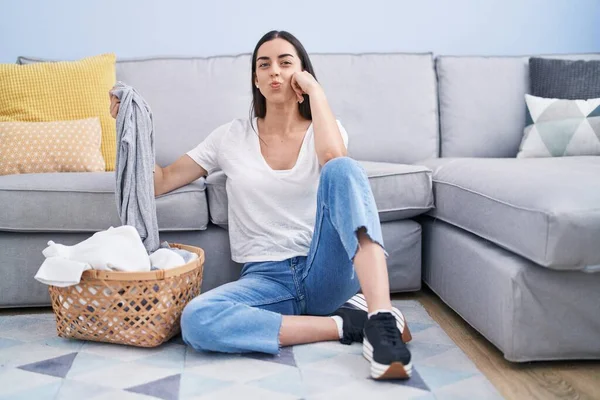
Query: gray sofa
x,y
505,246
512,243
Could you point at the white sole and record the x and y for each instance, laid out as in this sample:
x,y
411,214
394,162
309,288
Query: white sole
x,y
360,302
395,370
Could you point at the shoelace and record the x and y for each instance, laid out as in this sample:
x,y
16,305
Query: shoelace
x,y
389,330
354,335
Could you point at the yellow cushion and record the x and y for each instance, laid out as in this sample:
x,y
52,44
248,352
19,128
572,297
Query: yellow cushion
x,y
58,91
60,146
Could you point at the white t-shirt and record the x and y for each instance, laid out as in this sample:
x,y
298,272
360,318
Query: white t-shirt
x,y
271,212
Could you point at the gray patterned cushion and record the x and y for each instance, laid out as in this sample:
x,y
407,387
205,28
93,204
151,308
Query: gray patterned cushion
x,y
564,79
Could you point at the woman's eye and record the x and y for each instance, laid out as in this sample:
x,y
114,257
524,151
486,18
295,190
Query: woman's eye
x,y
263,65
287,63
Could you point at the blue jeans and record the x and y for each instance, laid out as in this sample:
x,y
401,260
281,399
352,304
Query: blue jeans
x,y
246,315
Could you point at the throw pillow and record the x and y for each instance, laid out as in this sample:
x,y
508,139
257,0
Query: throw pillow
x,y
564,79
558,127
58,91
59,146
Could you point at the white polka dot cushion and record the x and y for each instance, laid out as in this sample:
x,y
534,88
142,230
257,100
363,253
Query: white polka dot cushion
x,y
58,146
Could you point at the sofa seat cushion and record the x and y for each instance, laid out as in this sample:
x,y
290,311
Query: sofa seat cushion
x,y
544,209
401,191
85,202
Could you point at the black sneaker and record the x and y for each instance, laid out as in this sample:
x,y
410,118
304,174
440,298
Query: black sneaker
x,y
384,348
354,323
358,301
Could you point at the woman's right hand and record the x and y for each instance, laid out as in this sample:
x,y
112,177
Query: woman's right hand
x,y
114,104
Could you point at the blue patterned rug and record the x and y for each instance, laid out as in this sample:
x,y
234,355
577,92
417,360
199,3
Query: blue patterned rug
x,y
35,364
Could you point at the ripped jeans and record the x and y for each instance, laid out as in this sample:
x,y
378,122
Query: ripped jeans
x,y
246,315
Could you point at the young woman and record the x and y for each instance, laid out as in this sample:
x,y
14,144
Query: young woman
x,y
302,220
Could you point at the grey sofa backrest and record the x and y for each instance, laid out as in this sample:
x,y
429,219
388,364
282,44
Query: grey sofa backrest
x,y
386,102
482,105
189,97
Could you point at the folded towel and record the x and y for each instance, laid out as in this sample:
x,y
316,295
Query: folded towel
x,y
165,259
187,255
135,165
61,272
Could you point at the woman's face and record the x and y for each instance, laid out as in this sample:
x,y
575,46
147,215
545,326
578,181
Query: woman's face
x,y
276,62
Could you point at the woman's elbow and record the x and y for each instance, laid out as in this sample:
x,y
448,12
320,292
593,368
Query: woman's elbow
x,y
330,155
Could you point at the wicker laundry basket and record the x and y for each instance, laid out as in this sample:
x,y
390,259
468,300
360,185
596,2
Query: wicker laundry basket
x,y
134,308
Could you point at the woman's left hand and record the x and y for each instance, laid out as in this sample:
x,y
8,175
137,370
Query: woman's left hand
x,y
304,83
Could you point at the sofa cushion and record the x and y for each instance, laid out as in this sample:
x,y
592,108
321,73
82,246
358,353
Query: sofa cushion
x,y
85,202
56,146
401,191
482,107
544,209
62,91
565,79
559,128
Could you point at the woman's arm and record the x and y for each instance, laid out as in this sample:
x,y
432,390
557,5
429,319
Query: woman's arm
x,y
180,173
328,139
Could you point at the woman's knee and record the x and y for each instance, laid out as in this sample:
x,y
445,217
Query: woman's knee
x,y
341,167
198,326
